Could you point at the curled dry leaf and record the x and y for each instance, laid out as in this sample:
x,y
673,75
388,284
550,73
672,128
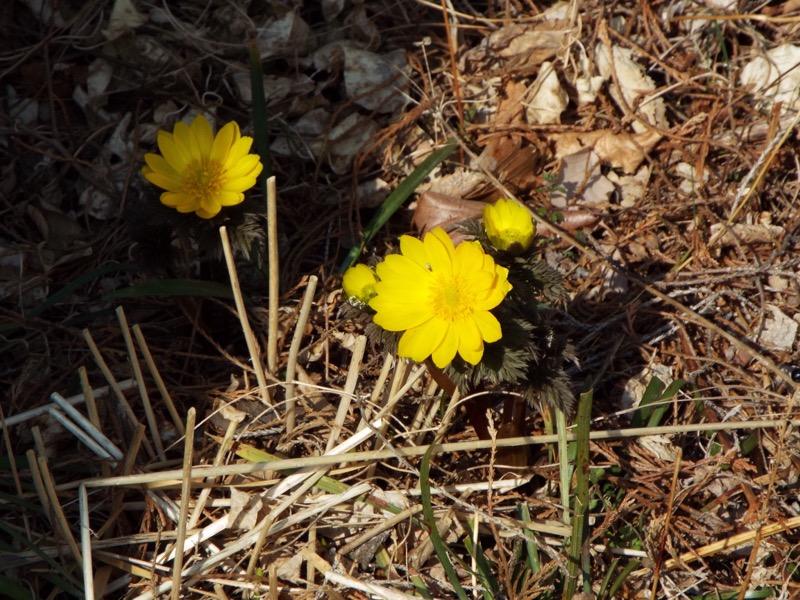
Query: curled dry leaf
x,y
440,210
547,99
519,47
580,179
632,89
775,77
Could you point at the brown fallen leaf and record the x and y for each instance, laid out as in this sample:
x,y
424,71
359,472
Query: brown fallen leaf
x,y
441,210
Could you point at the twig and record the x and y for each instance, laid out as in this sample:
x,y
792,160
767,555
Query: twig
x,y
274,275
294,350
252,345
186,490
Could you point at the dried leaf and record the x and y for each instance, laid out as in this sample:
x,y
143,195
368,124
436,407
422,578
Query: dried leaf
x,y
775,77
548,99
376,82
440,210
780,331
124,18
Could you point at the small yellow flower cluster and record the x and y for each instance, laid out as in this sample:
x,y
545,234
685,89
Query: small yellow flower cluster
x,y
202,172
441,296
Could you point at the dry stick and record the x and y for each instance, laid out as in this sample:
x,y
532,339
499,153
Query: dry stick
x,y
162,389
112,383
86,541
349,386
38,484
274,275
91,410
377,389
276,512
186,490
155,433
312,462
58,513
294,350
252,345
27,415
205,492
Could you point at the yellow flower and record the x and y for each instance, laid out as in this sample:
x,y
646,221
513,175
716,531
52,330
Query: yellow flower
x,y
359,284
508,226
200,171
440,297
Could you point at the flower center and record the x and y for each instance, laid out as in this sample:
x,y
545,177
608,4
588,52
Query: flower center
x,y
203,179
452,299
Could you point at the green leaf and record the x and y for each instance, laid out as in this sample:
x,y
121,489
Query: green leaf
x,y
430,519
396,199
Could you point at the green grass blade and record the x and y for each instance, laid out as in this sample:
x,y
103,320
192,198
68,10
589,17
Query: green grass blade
x,y
487,578
396,199
430,519
260,128
532,555
578,560
650,396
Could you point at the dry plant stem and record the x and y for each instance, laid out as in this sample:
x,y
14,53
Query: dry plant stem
x,y
86,542
162,389
252,345
155,434
294,350
112,383
667,520
38,484
378,529
91,410
377,389
274,275
270,519
224,445
186,490
731,543
86,425
349,387
200,472
273,581
61,522
82,435
27,415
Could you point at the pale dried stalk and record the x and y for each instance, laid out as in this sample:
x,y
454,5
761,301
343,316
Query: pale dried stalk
x,y
349,387
155,433
316,462
61,522
252,345
294,350
27,415
112,382
86,541
274,275
186,490
205,492
162,389
91,410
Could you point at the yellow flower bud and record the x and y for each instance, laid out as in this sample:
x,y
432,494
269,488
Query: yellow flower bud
x,y
508,226
359,284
